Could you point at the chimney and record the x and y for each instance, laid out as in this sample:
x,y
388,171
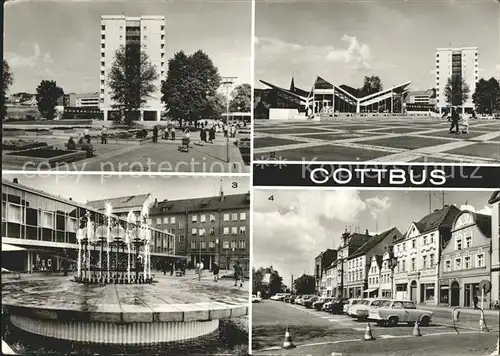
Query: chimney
x,y
367,232
70,198
15,181
156,202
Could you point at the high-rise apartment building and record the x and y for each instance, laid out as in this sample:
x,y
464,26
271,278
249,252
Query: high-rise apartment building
x,y
149,33
451,62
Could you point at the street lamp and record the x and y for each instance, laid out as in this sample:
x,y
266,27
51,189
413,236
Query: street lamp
x,y
228,83
217,251
392,263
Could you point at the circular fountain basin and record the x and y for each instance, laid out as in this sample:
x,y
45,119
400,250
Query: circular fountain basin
x,y
173,309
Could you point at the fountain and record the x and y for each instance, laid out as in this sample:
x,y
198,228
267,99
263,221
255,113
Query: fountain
x,y
116,237
115,300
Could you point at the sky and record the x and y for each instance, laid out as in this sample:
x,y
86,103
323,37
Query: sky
x,y
82,188
343,41
297,225
61,40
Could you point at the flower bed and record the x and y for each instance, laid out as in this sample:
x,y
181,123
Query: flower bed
x,y
48,152
17,145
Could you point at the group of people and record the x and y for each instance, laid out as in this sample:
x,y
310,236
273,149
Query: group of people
x,y
207,135
237,270
455,117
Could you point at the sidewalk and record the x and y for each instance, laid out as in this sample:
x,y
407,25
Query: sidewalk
x,y
462,309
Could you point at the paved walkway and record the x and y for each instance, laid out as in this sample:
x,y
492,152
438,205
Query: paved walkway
x,y
422,140
462,309
163,156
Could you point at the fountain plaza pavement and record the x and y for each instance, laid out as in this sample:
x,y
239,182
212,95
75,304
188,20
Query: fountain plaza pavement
x,y
419,140
170,309
163,156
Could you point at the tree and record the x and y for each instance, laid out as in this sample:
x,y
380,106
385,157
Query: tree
x,y
456,91
371,85
257,277
305,284
131,80
275,284
190,90
241,98
487,96
7,81
47,94
216,106
267,281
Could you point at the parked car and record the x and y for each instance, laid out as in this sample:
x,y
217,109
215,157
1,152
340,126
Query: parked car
x,y
308,303
256,299
289,299
350,303
297,299
304,298
361,309
336,306
392,312
318,305
278,296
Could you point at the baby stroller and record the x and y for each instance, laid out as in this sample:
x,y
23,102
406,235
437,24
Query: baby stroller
x,y
185,144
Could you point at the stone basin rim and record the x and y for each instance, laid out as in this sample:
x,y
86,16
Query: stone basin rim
x,y
203,311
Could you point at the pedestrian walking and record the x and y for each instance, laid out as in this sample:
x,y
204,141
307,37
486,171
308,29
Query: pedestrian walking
x,y
203,135
172,133
454,121
211,134
226,130
65,263
155,134
238,274
475,299
104,135
215,271
165,133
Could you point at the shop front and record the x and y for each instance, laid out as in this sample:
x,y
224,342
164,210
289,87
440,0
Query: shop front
x,y
427,293
402,291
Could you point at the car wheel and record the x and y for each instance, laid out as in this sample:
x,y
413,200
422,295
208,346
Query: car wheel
x,y
393,321
424,321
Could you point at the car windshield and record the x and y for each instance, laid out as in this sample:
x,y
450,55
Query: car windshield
x,y
385,304
375,303
355,302
364,302
409,305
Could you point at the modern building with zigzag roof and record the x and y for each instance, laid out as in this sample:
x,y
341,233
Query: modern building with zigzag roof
x,y
325,98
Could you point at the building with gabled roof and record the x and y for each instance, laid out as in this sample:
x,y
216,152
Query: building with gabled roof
x,y
494,201
357,264
418,255
323,260
465,260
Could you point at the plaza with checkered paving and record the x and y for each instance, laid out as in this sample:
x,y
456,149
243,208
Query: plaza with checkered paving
x,y
405,139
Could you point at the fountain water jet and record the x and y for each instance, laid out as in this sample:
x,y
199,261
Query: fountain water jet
x,y
112,233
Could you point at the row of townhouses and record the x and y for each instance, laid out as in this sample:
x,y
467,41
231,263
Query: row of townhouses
x,y
440,260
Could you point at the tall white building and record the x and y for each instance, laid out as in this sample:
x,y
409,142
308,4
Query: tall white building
x,y
461,62
149,32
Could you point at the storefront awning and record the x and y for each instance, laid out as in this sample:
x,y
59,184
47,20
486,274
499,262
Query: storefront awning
x,y
10,248
369,290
